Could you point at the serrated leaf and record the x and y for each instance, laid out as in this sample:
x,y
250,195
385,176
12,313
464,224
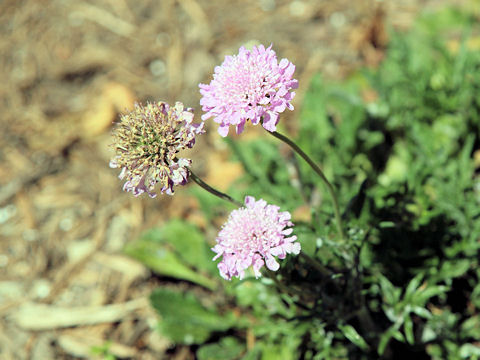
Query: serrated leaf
x,y
352,335
184,319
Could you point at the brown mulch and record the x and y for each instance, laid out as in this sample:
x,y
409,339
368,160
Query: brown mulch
x,y
67,68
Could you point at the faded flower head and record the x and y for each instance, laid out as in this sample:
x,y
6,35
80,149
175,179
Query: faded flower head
x,y
249,86
252,236
146,142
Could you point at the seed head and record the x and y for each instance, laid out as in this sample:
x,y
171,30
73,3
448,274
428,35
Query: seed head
x,y
147,141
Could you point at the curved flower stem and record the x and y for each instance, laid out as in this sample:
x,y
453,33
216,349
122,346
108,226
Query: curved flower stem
x,y
319,171
213,191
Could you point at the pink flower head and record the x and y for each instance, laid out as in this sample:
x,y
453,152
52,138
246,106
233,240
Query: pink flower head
x,y
252,236
147,142
249,86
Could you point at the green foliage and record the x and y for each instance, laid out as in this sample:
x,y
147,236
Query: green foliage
x,y
351,334
185,319
226,348
267,174
413,147
406,283
177,250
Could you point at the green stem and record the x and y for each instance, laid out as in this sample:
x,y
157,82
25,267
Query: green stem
x,y
213,191
319,171
270,274
316,265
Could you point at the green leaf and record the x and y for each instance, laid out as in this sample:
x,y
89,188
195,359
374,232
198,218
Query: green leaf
x,y
390,293
352,335
469,351
422,312
428,334
163,261
190,244
452,269
184,319
423,296
398,336
413,286
227,348
274,352
395,171
262,298
471,327
408,329
253,354
384,339
387,335
186,240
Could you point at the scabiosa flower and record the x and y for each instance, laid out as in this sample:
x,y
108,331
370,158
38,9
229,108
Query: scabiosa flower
x,y
252,236
249,86
147,141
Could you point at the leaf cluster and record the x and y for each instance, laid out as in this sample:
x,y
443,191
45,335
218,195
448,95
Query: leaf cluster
x,y
401,144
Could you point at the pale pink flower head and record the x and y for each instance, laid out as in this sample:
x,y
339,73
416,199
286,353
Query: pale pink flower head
x,y
252,236
253,86
147,142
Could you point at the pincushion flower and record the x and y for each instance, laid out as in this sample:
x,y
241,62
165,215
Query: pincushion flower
x,y
147,142
249,86
253,236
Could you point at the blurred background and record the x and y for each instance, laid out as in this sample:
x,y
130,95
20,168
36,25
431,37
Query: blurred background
x,y
67,69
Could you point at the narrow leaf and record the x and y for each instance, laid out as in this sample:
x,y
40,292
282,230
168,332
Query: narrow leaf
x,y
408,328
352,335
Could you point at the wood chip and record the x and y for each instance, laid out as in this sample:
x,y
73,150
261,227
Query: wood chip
x,y
131,269
81,346
34,316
